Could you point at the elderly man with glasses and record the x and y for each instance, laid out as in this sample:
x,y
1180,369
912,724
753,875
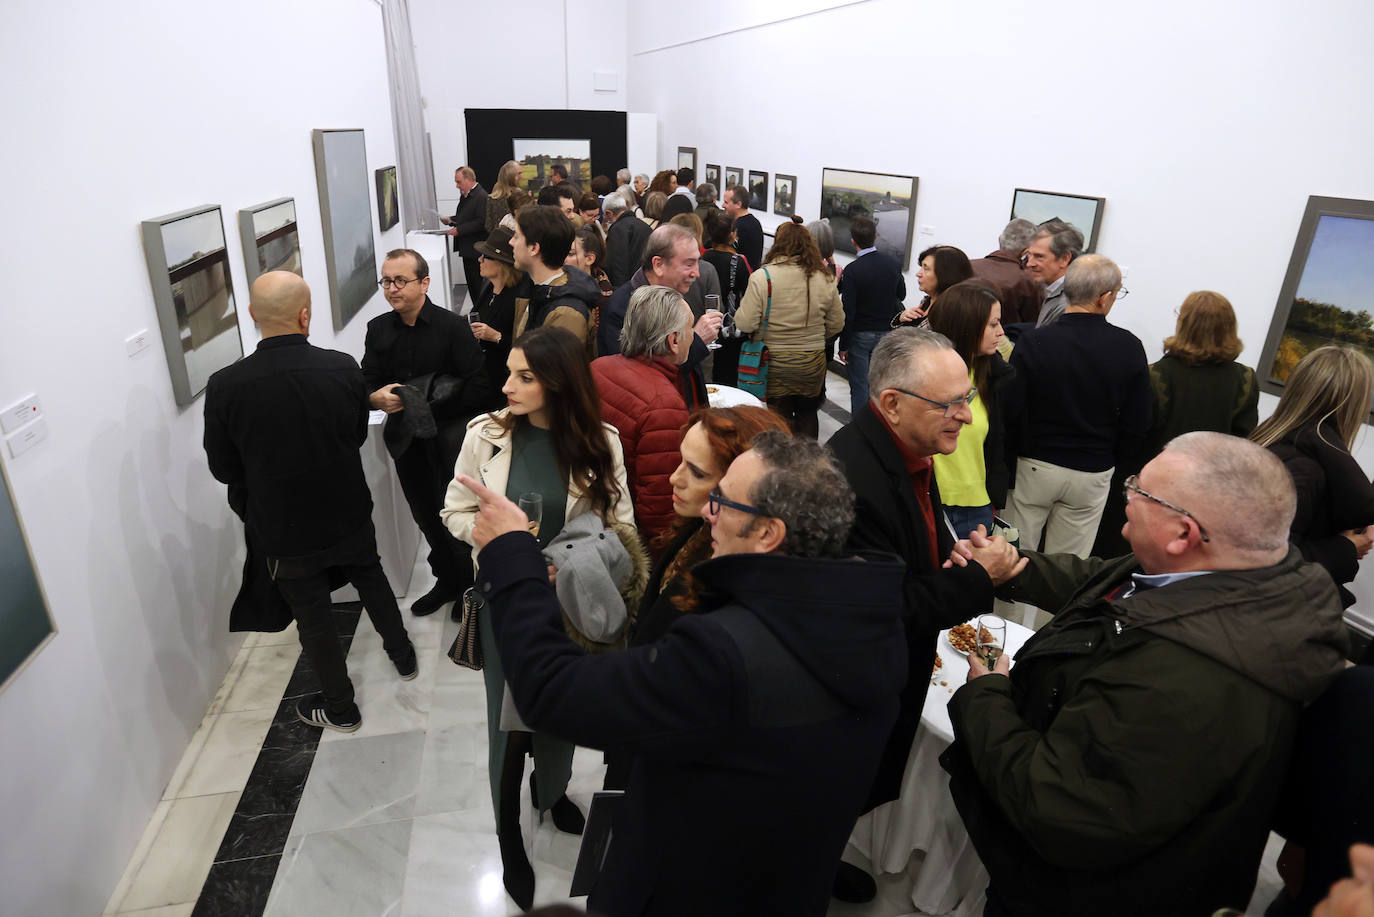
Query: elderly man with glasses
x,y
430,351
919,397
1129,763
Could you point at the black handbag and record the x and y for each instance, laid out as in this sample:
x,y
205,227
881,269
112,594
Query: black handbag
x,y
467,646
753,354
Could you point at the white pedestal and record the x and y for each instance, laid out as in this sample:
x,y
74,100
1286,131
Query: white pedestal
x,y
398,537
434,248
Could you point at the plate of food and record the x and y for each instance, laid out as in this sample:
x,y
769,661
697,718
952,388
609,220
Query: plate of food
x,y
712,389
962,639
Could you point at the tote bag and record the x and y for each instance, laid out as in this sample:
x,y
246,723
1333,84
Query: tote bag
x,y
753,355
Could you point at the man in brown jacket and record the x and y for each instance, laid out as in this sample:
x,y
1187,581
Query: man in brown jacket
x,y
1021,294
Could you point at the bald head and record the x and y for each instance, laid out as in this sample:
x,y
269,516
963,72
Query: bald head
x,y
279,302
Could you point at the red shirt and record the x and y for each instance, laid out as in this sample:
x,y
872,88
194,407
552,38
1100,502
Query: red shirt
x,y
920,468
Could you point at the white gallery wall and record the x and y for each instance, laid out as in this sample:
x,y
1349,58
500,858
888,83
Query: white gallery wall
x,y
117,113
1205,126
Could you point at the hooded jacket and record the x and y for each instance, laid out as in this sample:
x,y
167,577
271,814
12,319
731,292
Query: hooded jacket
x,y
566,302
1132,762
756,727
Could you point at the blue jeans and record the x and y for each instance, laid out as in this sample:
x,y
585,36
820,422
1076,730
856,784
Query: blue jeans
x,y
967,518
861,344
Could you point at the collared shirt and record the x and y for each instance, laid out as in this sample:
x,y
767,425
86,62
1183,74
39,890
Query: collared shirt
x,y
1054,303
863,251
438,342
921,470
1141,581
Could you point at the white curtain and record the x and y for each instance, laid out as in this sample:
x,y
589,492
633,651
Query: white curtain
x,y
413,171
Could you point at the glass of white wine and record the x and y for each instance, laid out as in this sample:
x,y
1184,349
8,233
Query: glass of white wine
x,y
532,505
992,639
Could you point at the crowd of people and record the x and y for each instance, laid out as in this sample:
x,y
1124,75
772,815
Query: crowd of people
x,y
745,620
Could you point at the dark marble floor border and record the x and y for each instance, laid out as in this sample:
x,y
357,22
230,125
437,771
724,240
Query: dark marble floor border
x,y
246,863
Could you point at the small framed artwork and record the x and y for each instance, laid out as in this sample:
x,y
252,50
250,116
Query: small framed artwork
x,y
758,190
784,194
269,237
388,207
687,158
350,255
26,624
188,265
890,200
1327,295
733,176
538,155
712,175
1085,213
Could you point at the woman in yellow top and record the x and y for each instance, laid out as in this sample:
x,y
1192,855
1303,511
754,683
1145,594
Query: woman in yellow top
x,y
973,479
805,311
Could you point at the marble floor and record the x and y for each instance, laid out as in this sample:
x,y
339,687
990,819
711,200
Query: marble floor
x,y
265,815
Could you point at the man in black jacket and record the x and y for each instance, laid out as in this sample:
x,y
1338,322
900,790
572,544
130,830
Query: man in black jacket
x,y
872,289
433,351
625,238
468,225
756,726
918,404
748,229
285,424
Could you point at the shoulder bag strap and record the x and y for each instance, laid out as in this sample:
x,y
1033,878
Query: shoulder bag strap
x,y
763,329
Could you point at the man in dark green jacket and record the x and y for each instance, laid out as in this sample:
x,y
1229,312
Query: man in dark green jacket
x,y
1131,764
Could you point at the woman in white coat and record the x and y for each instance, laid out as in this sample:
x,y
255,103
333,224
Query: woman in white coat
x,y
549,440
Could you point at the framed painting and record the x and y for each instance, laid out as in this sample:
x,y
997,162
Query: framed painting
x,y
1327,295
758,190
26,625
889,199
733,176
687,158
537,157
388,207
193,292
784,194
1084,212
712,175
350,255
270,238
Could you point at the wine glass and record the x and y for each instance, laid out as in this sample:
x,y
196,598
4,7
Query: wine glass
x,y
532,505
992,639
712,301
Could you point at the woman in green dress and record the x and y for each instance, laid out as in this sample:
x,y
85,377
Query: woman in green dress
x,y
548,440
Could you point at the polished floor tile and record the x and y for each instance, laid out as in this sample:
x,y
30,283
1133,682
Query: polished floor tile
x,y
140,856
230,750
361,782
263,678
237,888
352,872
175,910
180,855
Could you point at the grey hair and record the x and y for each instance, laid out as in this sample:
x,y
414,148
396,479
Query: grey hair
x,y
1064,238
1245,490
1089,277
896,361
622,176
706,193
653,314
614,203
1016,236
643,176
825,236
804,487
663,240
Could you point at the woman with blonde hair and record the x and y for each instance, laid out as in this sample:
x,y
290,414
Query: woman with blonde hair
x,y
1325,403
795,296
507,182
654,203
1197,384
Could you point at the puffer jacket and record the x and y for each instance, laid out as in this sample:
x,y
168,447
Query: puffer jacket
x,y
640,398
567,302
1132,763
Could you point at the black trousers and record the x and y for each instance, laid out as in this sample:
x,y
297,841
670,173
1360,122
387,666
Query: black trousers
x,y
308,596
424,481
472,275
800,413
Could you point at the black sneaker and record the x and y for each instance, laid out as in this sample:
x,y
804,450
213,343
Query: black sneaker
x,y
433,600
314,711
406,665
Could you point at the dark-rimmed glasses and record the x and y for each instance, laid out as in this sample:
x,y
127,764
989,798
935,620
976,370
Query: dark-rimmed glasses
x,y
1132,486
397,282
715,501
949,407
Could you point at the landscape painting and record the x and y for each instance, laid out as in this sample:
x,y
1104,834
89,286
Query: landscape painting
x,y
733,176
758,190
270,238
889,199
784,194
713,176
350,254
388,207
25,624
1085,213
1328,293
538,155
188,266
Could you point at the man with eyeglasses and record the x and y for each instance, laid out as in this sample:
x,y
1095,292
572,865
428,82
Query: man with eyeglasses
x,y
1129,763
756,724
919,398
431,351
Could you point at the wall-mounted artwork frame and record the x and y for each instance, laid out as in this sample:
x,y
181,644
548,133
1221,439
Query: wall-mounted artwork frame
x,y
687,158
1327,295
388,202
888,199
538,155
350,254
193,291
758,190
1083,211
784,194
712,175
270,237
734,175
26,623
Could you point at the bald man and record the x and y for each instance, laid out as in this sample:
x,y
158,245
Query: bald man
x,y
283,427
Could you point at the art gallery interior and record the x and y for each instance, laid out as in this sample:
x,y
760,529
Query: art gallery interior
x,y
1205,128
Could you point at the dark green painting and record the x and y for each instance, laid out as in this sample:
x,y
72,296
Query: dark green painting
x,y
24,620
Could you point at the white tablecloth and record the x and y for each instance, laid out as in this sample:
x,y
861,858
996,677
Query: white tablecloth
x,y
725,396
951,878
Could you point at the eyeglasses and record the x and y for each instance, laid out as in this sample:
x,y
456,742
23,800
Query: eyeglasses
x,y
715,501
949,407
1132,486
397,282
1122,293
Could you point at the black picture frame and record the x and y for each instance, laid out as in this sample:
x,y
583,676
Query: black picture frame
x,y
712,175
784,194
758,190
388,203
846,193
734,175
1327,232
1082,210
687,158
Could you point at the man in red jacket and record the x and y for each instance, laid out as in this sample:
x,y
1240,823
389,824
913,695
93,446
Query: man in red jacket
x,y
641,399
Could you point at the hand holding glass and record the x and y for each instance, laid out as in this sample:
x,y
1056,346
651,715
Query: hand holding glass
x,y
712,301
532,505
992,639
